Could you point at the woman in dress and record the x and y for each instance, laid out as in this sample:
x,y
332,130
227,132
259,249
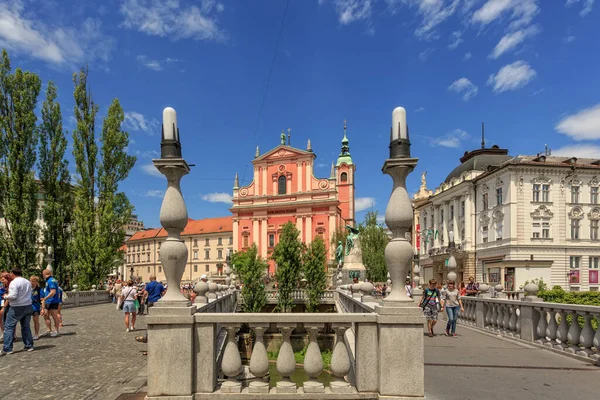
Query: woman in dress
x,y
128,295
36,304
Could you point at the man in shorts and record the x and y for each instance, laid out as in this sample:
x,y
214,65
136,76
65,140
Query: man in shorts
x,y
52,299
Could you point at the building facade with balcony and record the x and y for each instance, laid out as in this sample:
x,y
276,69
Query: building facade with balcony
x,y
207,240
515,219
284,188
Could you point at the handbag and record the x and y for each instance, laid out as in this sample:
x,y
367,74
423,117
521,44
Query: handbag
x,y
137,304
425,301
121,305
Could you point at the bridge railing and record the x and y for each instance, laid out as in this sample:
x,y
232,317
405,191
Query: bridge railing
x,y
570,328
86,298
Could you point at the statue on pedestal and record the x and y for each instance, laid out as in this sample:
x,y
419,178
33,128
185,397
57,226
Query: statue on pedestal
x,y
339,254
352,236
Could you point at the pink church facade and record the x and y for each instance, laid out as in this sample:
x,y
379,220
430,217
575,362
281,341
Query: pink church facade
x,y
284,188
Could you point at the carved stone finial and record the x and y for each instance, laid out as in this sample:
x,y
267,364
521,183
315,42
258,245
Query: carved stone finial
x,y
257,154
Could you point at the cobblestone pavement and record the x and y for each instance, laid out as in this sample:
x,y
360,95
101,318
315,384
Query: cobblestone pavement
x,y
93,358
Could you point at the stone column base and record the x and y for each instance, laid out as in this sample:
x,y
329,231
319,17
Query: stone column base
x,y
231,387
341,387
258,387
313,387
286,387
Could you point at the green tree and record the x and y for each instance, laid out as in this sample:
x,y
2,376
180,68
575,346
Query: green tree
x,y
100,211
55,183
288,256
18,188
314,260
251,269
373,240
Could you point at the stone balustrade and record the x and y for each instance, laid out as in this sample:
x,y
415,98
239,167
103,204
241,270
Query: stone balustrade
x,y
563,327
299,296
86,298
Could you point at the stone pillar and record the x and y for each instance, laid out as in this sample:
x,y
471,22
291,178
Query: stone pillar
x,y
309,218
255,234
300,182
263,237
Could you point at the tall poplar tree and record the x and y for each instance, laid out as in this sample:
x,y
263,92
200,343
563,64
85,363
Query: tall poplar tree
x,y
100,210
373,240
55,183
288,256
18,189
252,269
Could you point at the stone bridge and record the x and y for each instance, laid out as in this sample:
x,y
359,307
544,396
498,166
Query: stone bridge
x,y
95,358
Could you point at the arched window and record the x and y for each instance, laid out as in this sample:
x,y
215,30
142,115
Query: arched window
x,y
344,177
281,185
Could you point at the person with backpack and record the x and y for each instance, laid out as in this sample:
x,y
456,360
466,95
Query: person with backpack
x,y
430,301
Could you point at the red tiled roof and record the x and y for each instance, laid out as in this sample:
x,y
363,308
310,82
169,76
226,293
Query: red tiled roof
x,y
193,227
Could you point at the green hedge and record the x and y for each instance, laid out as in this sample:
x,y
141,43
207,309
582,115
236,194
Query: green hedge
x,y
558,295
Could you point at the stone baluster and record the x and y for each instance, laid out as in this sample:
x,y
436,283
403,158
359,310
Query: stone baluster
x,y
562,331
506,320
500,317
313,362
488,315
573,334
232,362
586,337
340,362
259,361
518,322
494,318
551,328
339,278
212,292
472,312
201,288
596,341
512,323
542,325
286,363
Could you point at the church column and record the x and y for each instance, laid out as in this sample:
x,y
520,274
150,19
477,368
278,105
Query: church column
x,y
300,183
255,238
264,183
256,177
455,205
309,234
308,176
275,185
299,225
236,230
288,183
263,237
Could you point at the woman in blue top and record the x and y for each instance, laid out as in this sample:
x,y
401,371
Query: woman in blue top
x,y
44,313
36,304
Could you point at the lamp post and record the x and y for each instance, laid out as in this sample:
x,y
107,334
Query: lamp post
x,y
399,212
173,212
451,261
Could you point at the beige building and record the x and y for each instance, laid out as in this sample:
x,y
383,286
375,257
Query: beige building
x,y
134,225
514,219
207,240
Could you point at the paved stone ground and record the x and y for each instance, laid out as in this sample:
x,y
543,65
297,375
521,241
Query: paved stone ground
x,y
94,358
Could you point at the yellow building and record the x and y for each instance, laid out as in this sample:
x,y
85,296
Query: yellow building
x,y
207,241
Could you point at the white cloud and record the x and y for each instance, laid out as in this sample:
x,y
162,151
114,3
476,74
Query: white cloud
x,y
363,203
467,56
352,10
137,122
420,109
425,54
433,12
381,218
511,40
579,151
537,92
464,87
519,12
149,63
169,19
456,38
583,125
568,39
155,193
453,139
151,170
22,32
512,77
587,6
218,198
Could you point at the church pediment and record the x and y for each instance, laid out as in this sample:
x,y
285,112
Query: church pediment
x,y
280,152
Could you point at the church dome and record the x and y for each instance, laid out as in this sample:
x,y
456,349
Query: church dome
x,y
479,160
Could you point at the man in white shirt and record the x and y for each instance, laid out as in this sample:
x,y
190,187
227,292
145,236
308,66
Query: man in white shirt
x,y
20,310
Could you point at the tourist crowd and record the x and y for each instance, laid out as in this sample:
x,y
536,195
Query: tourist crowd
x,y
22,299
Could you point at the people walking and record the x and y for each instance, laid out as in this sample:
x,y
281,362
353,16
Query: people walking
x,y
430,303
451,302
5,280
129,293
118,292
19,298
155,291
51,301
472,287
36,304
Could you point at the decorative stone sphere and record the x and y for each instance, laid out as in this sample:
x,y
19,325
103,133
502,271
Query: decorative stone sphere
x,y
212,287
452,276
499,287
94,287
356,287
484,287
201,288
366,288
417,269
531,288
75,288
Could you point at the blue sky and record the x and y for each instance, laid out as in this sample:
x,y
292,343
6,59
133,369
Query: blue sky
x,y
527,68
